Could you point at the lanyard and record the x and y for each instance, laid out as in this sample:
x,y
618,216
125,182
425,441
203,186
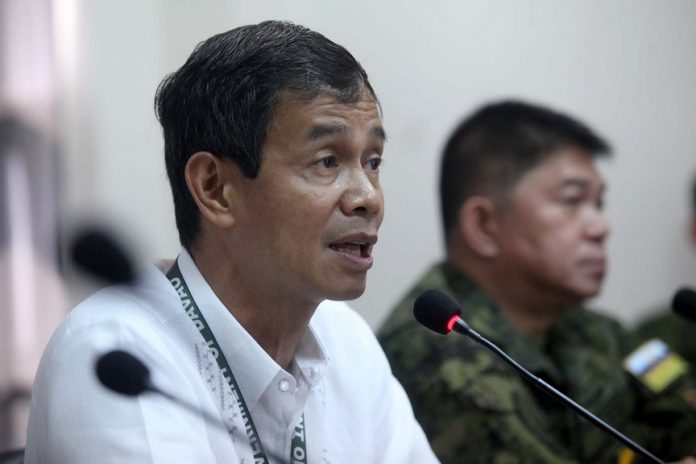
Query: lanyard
x,y
298,448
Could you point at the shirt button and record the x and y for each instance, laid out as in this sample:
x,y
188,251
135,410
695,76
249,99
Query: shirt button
x,y
283,385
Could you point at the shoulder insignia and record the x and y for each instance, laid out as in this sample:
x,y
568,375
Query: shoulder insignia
x,y
654,365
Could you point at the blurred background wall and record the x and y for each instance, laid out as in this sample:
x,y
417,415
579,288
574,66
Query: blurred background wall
x,y
626,67
31,288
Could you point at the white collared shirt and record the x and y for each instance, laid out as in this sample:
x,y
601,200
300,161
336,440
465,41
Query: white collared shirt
x,y
355,411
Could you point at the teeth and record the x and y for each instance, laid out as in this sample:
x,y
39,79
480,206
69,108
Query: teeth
x,y
353,249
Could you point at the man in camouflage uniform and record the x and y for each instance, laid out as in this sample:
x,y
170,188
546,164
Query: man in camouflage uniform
x,y
525,232
678,332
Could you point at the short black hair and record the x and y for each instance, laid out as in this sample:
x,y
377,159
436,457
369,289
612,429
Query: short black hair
x,y
222,99
494,147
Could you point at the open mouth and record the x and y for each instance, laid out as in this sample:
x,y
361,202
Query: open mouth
x,y
357,249
594,265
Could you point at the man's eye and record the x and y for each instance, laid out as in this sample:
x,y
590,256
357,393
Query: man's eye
x,y
374,164
328,162
572,201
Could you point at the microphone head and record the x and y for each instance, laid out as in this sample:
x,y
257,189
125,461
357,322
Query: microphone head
x,y
435,310
99,254
684,303
123,373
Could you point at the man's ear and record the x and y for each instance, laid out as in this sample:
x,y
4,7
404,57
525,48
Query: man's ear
x,y
477,225
209,181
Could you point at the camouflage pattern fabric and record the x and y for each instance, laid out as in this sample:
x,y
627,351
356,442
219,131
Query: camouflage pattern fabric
x,y
476,409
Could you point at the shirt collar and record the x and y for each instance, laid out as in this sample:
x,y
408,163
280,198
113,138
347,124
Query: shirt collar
x,y
241,350
311,357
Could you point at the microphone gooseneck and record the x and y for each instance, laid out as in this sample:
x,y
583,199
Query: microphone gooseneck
x,y
684,303
438,312
122,372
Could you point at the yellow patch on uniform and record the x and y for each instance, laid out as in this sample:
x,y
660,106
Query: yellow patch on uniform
x,y
626,456
654,365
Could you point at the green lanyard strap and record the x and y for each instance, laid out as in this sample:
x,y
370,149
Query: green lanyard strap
x,y
298,448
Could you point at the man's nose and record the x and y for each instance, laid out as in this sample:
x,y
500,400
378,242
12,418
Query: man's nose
x,y
597,226
362,195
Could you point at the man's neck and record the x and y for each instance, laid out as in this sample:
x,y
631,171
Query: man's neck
x,y
530,312
274,322
278,336
529,318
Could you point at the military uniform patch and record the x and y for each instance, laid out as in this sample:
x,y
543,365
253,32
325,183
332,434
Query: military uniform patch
x,y
654,365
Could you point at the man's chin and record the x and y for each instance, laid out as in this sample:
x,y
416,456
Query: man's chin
x,y
348,293
586,292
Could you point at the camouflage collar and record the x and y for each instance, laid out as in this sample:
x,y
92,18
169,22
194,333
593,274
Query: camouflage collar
x,y
484,317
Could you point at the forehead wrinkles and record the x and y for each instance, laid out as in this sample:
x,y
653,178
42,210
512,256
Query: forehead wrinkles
x,y
327,117
329,102
297,124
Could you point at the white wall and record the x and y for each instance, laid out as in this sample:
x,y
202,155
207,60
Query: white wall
x,y
627,67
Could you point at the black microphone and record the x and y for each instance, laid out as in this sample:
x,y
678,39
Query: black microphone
x,y
438,312
684,303
98,253
123,373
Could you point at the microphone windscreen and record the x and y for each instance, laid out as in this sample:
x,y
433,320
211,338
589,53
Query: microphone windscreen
x,y
98,253
123,373
434,309
684,303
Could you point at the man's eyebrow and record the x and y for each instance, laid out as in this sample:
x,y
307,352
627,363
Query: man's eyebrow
x,y
582,183
320,131
379,132
575,182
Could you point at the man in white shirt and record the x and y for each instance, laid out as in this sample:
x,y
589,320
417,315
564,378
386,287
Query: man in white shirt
x,y
273,140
